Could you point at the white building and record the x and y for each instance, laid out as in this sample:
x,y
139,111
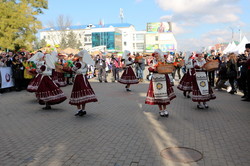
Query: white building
x,y
115,37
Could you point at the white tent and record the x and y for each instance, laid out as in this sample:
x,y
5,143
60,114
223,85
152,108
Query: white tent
x,y
231,48
227,48
241,47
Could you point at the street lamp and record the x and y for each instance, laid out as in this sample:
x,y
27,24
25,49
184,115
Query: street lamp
x,y
232,33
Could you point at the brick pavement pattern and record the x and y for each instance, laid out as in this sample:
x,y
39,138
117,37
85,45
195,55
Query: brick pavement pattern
x,y
120,130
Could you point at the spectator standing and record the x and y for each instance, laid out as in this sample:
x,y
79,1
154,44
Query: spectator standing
x,y
115,62
248,72
211,73
232,71
100,64
17,69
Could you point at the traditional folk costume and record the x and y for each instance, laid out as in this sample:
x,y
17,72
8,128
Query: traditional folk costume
x,y
48,92
82,92
58,77
160,91
185,84
34,83
202,91
128,77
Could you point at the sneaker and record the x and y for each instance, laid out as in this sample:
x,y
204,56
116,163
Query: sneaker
x,y
82,113
206,106
199,106
79,113
47,107
166,113
188,96
128,90
161,113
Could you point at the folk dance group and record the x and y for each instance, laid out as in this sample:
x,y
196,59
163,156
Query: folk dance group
x,y
160,92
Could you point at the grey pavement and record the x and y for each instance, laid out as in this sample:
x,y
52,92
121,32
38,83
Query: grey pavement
x,y
120,130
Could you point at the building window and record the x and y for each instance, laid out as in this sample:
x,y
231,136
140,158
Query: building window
x,y
125,43
139,37
156,38
80,36
104,39
85,39
140,46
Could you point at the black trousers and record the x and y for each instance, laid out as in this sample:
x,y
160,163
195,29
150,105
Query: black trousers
x,y
211,78
248,84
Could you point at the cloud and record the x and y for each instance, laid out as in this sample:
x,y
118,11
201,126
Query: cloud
x,y
198,16
207,39
138,1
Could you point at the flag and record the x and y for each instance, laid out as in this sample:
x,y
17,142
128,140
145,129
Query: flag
x,y
101,22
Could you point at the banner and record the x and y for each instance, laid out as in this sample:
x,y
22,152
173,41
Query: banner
x,y
202,82
160,27
160,86
6,77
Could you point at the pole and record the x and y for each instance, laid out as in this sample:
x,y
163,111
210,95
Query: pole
x,y
232,33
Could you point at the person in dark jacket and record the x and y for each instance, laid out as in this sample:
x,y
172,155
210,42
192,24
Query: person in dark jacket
x,y
222,74
17,69
232,71
248,73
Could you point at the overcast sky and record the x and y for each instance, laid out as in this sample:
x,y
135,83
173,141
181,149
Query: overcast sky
x,y
196,23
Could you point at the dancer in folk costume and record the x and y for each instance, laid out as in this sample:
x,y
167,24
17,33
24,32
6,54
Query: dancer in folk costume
x,y
202,91
38,60
185,84
59,79
48,92
54,59
128,77
82,92
160,91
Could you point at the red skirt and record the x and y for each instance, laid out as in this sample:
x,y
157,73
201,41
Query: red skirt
x,y
59,79
128,77
197,96
150,99
49,92
34,83
186,81
82,92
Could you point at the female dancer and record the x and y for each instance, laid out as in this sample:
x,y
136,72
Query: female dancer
x,y
38,60
128,77
185,84
160,91
48,92
202,91
82,92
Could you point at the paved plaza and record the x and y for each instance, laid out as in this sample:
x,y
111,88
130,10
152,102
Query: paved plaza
x,y
120,130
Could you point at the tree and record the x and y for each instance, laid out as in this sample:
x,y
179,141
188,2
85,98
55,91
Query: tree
x,y
62,25
71,40
18,24
79,45
43,43
63,43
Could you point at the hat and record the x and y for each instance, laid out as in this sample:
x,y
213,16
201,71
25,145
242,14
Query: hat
x,y
248,45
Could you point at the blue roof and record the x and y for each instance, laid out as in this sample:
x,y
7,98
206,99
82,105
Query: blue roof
x,y
75,27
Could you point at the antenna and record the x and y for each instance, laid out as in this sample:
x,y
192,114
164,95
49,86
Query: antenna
x,y
121,15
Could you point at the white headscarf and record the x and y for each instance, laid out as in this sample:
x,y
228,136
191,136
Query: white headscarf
x,y
36,57
161,55
187,56
54,55
86,57
50,61
125,54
